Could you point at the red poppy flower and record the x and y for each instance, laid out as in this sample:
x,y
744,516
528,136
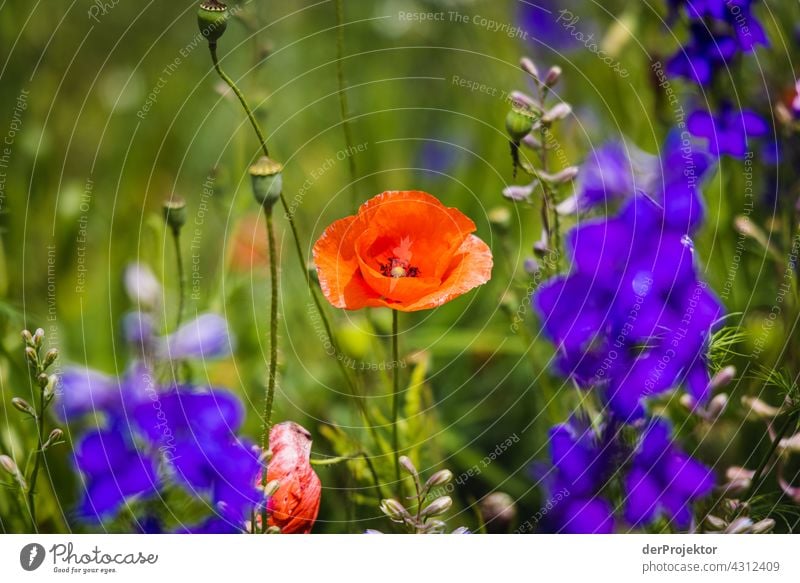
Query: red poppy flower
x,y
294,506
404,250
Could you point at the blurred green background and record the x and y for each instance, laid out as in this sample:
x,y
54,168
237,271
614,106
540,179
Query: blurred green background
x,y
122,109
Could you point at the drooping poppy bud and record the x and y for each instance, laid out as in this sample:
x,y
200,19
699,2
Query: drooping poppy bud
x,y
293,507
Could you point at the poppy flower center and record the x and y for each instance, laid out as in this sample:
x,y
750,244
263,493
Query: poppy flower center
x,y
398,268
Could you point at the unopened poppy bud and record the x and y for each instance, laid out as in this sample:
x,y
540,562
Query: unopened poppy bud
x,y
498,511
174,211
519,123
267,181
393,509
294,505
529,67
763,526
8,465
440,478
50,357
408,465
437,507
212,18
552,77
23,405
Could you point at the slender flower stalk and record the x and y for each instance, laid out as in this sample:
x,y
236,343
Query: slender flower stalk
x,y
343,104
273,328
175,217
212,46
395,400
38,365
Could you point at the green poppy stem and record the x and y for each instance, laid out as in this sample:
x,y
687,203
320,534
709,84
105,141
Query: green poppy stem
x,y
395,400
273,328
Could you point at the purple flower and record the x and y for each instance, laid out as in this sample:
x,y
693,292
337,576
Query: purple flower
x,y
718,31
632,319
613,172
206,336
115,470
704,54
663,480
580,467
554,24
727,132
84,391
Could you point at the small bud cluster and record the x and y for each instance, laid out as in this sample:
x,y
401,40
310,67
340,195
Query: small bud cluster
x,y
39,362
528,123
425,518
733,517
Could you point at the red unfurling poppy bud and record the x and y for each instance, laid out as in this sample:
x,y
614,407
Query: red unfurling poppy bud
x,y
295,504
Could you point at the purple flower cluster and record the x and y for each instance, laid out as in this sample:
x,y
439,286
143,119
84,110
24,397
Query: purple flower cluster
x,y
631,320
146,436
658,479
719,30
727,132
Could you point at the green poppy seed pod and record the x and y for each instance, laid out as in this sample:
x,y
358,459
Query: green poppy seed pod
x,y
519,123
174,211
267,180
212,18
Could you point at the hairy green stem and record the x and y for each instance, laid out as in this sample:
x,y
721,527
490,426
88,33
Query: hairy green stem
x,y
343,105
273,328
176,239
395,400
297,245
